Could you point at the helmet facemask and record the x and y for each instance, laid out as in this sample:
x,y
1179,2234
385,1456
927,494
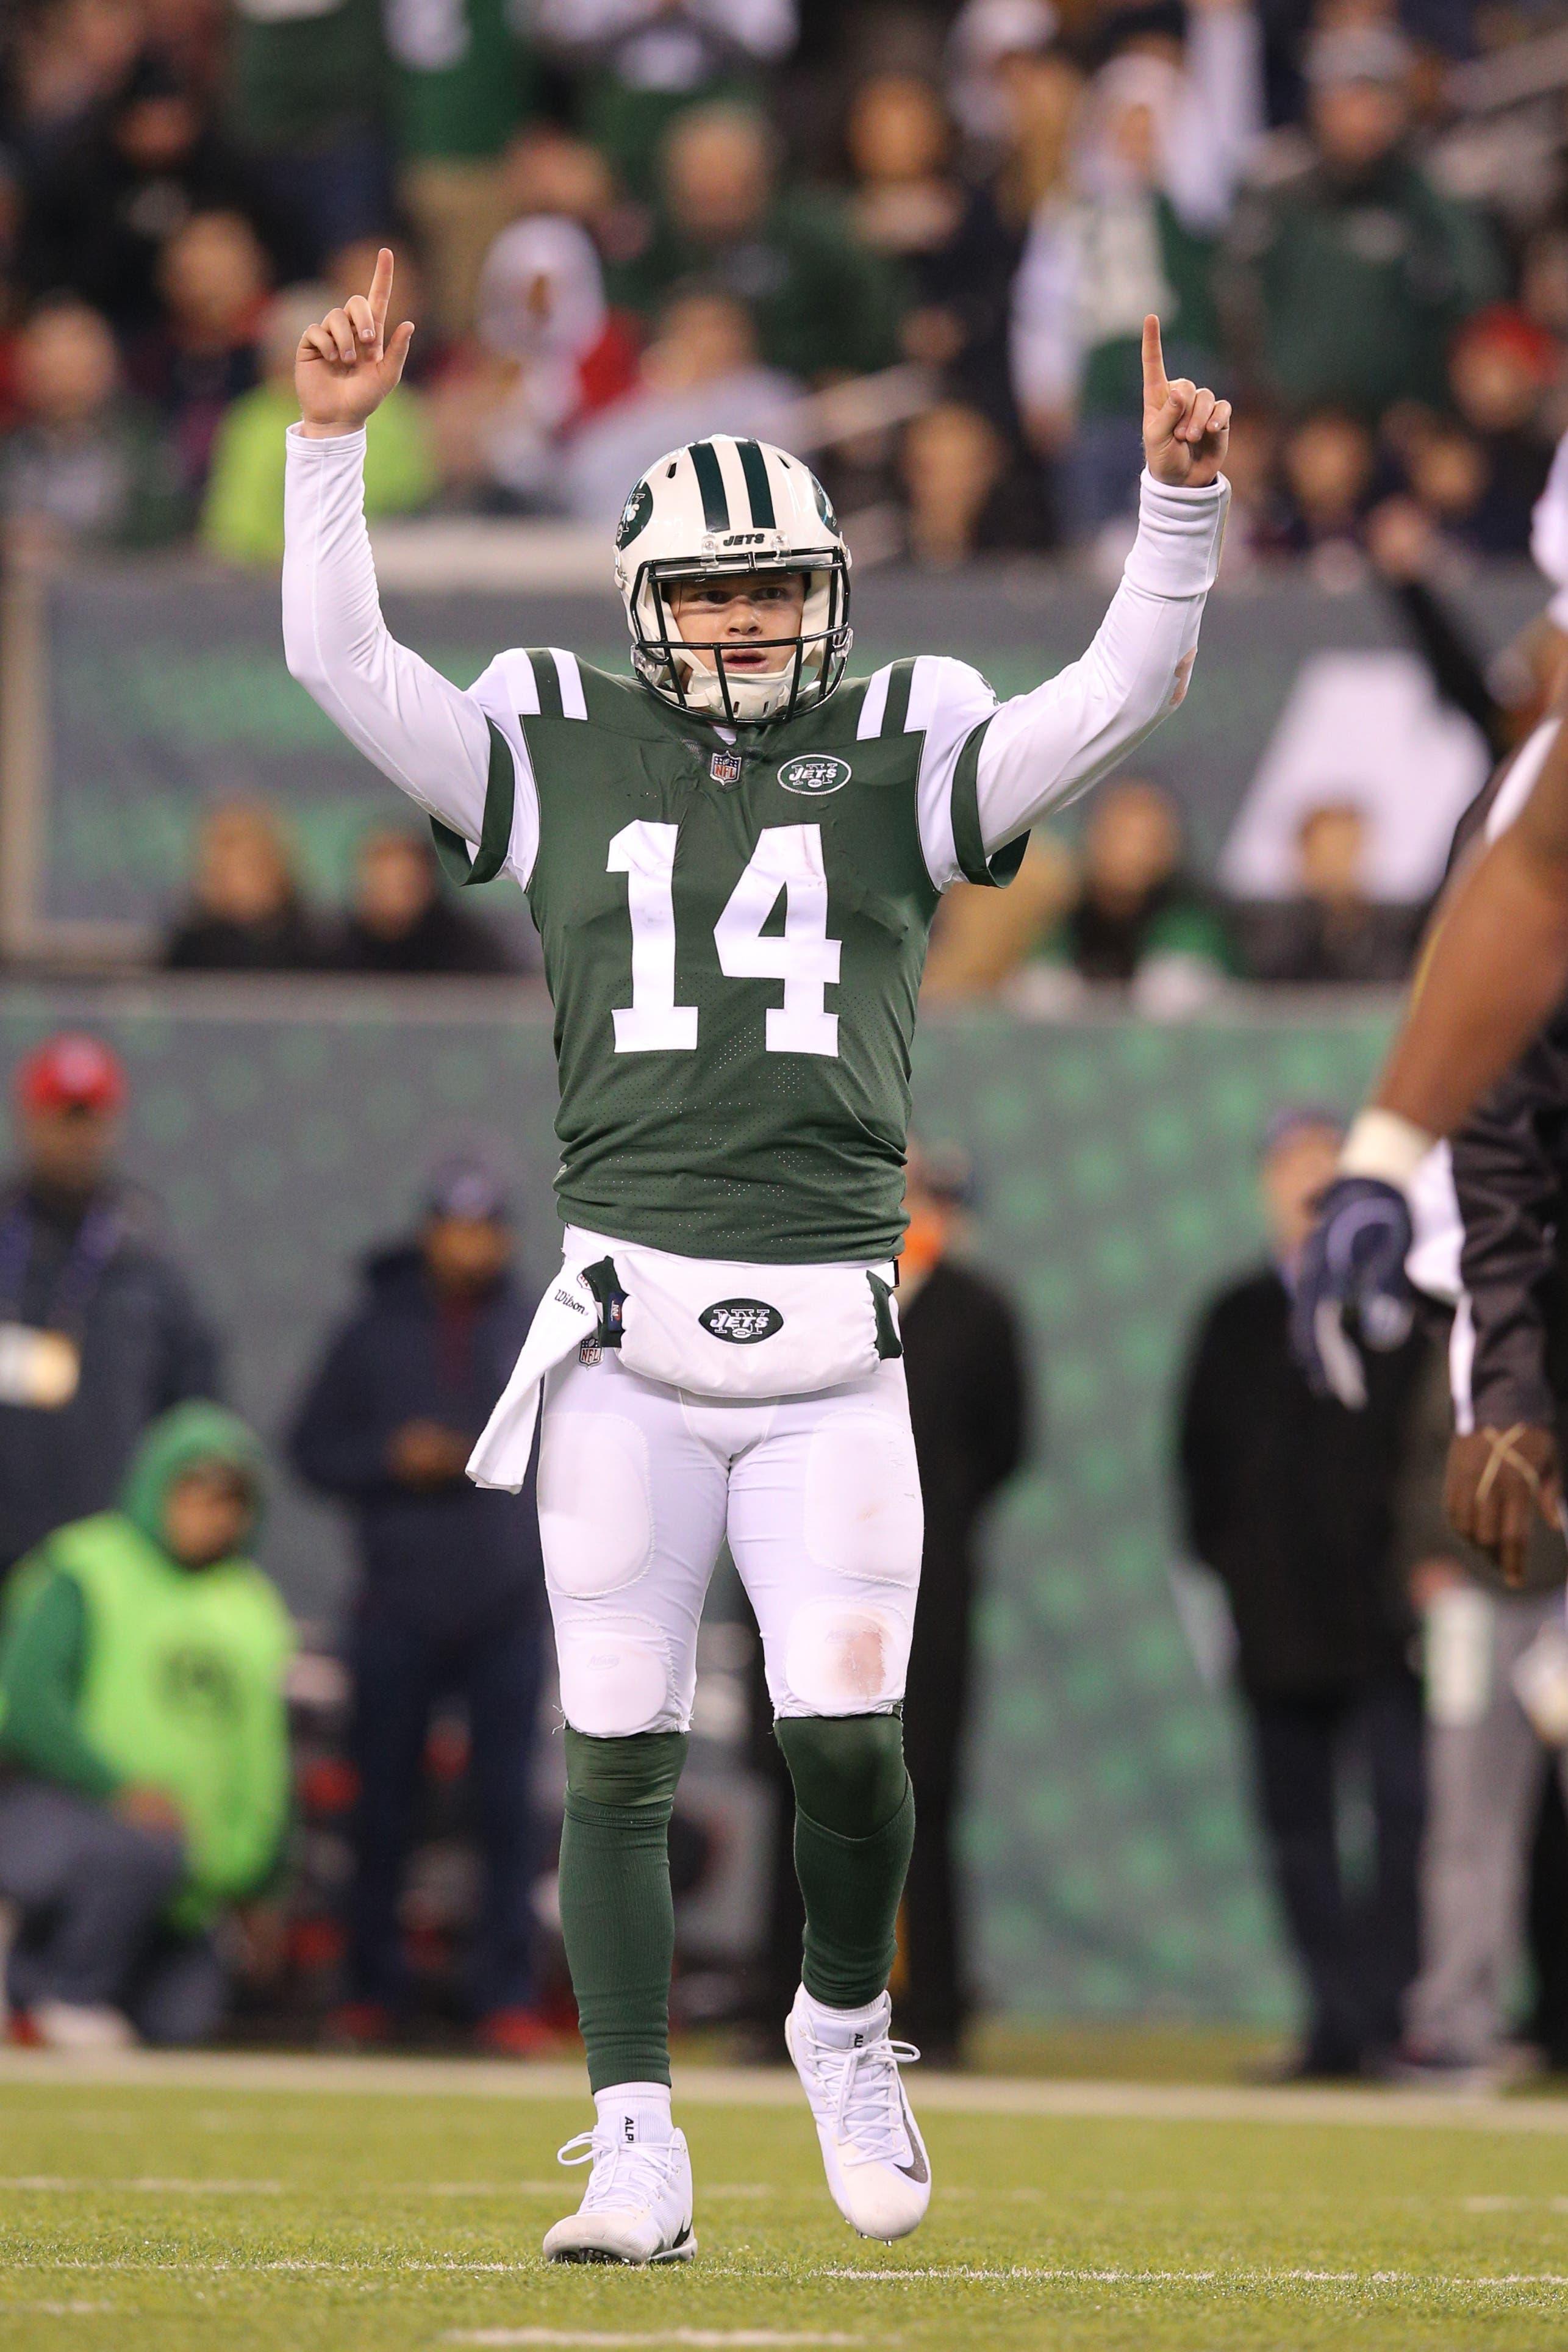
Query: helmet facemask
x,y
665,657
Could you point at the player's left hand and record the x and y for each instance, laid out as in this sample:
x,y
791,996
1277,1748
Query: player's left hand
x,y
1352,1260
1498,1481
1186,431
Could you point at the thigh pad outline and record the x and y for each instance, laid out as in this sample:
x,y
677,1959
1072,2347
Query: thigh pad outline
x,y
596,1517
863,1517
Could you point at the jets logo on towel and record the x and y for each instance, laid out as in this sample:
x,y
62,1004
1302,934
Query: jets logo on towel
x,y
725,767
814,774
742,1321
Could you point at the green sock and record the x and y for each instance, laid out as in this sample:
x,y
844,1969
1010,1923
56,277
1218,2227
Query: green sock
x,y
616,1914
854,1828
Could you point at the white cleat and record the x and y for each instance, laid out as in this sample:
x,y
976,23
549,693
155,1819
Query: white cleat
x,y
637,2208
875,2159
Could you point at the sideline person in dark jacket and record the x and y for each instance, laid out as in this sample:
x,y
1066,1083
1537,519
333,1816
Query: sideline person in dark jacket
x,y
98,1331
144,1766
1290,1499
451,1595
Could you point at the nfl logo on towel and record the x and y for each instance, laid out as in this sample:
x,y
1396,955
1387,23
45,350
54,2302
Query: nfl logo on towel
x,y
725,767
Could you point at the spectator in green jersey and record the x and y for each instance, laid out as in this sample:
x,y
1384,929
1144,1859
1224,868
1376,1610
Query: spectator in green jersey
x,y
307,101
463,85
823,305
144,1769
1353,273
242,514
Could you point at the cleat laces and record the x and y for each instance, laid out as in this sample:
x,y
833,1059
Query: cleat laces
x,y
628,2176
869,2105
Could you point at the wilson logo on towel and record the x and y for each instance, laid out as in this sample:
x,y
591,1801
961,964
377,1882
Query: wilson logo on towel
x,y
742,1321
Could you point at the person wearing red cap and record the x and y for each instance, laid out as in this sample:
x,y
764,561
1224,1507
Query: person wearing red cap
x,y
99,1330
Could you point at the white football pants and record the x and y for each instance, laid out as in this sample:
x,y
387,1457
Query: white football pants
x,y
820,1497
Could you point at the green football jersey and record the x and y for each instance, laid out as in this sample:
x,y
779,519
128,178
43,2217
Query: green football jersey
x,y
734,936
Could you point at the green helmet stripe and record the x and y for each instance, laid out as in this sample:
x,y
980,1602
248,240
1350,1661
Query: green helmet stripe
x,y
754,466
710,482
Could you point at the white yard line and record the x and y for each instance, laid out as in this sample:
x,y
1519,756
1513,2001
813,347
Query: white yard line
x,y
729,2086
143,2184
712,2337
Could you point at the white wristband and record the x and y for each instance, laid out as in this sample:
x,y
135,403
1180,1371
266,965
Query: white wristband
x,y
1382,1144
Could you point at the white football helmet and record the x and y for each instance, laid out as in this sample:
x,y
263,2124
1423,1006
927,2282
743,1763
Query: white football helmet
x,y
722,507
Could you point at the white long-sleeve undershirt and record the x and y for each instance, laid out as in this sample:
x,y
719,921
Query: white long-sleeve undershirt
x,y
1040,749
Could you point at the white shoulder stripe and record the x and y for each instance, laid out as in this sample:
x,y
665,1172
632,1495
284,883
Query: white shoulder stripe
x,y
565,670
923,684
516,672
874,705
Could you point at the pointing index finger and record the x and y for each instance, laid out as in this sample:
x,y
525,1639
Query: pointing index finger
x,y
380,290
1156,389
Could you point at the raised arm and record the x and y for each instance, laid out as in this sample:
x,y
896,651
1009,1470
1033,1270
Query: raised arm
x,y
1043,749
434,741
1495,965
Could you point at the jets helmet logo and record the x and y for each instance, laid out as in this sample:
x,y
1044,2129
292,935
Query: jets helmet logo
x,y
742,1321
814,773
634,515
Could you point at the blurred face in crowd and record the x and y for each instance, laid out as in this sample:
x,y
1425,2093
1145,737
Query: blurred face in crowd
x,y
394,885
897,131
1328,465
155,132
1294,1172
67,367
464,1256
702,339
951,461
208,1513
1132,845
1448,473
1332,846
546,171
214,276
67,1148
242,870
1358,123
742,614
718,173
1496,385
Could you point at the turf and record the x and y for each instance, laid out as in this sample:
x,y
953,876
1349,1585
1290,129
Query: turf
x,y
198,2213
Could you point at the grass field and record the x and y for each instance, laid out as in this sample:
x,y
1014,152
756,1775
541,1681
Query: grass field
x,y
257,2206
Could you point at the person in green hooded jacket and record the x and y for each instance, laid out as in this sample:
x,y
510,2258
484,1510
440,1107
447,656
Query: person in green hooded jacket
x,y
144,1769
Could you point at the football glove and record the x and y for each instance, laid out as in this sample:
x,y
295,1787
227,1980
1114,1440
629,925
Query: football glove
x,y
1352,1263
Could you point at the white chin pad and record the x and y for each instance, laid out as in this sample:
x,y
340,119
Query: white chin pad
x,y
615,1678
863,1515
845,1657
596,1520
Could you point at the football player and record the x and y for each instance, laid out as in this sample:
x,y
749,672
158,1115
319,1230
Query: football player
x,y
733,856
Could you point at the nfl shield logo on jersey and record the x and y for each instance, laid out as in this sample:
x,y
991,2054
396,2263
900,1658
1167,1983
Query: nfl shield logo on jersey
x,y
725,767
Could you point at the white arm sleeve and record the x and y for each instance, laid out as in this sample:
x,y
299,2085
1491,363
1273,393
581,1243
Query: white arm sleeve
x,y
990,770
426,734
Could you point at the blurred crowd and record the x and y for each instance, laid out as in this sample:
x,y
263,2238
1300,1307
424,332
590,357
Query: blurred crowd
x,y
915,241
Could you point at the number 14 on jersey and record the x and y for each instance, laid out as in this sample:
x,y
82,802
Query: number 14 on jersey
x,y
787,858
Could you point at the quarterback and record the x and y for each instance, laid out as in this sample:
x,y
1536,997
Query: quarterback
x,y
733,856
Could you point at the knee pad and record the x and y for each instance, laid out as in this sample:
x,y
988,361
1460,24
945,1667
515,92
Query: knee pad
x,y
846,1657
596,1518
847,1770
641,1770
614,1675
864,1516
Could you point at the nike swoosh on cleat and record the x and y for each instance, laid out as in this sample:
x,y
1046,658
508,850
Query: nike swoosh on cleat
x,y
917,2171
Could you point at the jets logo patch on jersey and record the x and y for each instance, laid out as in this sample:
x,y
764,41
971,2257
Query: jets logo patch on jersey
x,y
725,767
742,1321
815,774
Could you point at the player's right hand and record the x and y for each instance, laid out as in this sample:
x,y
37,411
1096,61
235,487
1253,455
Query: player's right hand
x,y
1497,1481
1352,1262
345,365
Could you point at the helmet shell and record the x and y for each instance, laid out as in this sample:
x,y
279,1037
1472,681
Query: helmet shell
x,y
721,506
